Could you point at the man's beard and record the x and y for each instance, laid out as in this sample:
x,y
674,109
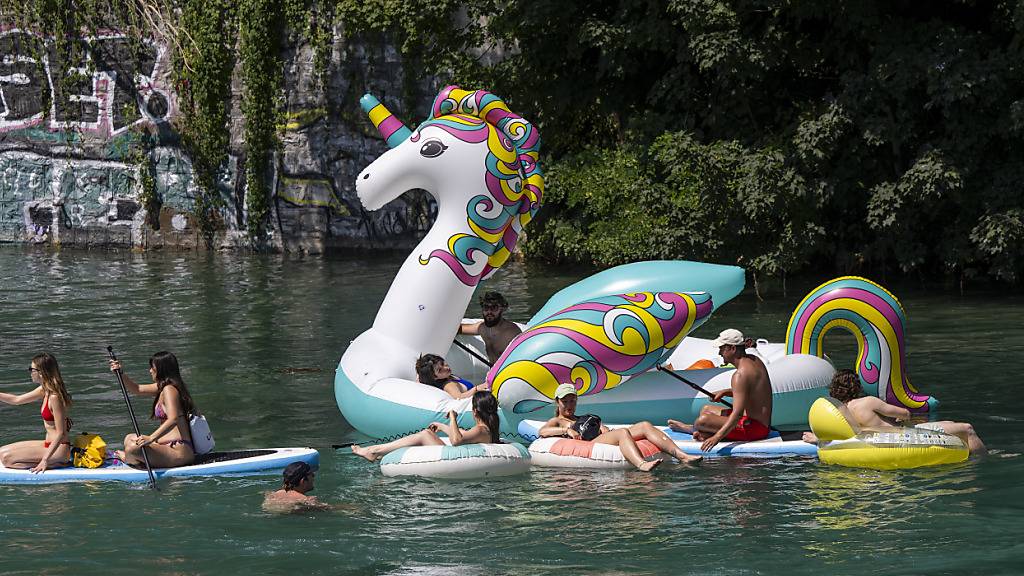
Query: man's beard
x,y
492,322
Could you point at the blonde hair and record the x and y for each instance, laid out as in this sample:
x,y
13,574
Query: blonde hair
x,y
53,383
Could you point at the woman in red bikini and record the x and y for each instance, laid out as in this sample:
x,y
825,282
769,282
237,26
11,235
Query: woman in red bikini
x,y
170,445
55,450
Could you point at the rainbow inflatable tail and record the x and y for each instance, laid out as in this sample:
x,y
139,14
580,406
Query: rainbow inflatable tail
x,y
875,317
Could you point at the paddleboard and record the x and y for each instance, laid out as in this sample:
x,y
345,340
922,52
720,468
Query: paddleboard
x,y
772,446
238,463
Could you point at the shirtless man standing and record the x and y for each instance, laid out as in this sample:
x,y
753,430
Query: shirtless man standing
x,y
872,412
751,414
495,330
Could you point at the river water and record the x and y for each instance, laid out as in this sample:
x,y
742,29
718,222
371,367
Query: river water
x,y
259,338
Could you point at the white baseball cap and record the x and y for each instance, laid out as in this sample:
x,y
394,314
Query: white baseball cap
x,y
729,337
564,390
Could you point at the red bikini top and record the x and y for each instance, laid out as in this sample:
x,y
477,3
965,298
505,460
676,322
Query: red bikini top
x,y
45,412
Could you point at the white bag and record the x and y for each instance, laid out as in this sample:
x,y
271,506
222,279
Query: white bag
x,y
202,438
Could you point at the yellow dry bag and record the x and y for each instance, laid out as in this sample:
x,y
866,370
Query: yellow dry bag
x,y
88,450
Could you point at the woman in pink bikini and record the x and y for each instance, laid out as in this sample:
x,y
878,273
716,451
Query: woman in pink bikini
x,y
55,450
170,445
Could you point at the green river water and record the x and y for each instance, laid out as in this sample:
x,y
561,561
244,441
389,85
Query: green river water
x,y
242,325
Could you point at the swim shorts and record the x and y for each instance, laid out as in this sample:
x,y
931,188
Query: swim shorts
x,y
747,429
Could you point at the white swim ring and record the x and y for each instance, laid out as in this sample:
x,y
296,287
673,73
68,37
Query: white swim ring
x,y
459,462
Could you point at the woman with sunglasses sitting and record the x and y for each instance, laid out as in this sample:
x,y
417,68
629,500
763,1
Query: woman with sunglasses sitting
x,y
55,450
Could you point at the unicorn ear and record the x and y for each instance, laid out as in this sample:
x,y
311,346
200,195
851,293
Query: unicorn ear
x,y
391,128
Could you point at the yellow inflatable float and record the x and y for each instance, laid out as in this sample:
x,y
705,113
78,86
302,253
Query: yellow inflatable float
x,y
842,442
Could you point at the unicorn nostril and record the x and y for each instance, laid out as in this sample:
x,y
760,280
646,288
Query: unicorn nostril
x,y
365,176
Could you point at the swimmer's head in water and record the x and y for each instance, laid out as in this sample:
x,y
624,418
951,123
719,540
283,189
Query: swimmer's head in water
x,y
845,386
295,474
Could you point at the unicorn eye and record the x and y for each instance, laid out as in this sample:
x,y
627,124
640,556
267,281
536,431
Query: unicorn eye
x,y
432,148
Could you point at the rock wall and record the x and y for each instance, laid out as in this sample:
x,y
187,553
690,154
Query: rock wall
x,y
70,162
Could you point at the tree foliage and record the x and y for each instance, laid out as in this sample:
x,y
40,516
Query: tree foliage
x,y
842,134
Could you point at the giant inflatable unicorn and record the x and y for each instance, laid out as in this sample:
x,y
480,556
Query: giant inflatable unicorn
x,y
605,334
480,162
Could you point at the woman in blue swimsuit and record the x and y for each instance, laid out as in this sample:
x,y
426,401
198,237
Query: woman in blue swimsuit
x,y
433,370
170,445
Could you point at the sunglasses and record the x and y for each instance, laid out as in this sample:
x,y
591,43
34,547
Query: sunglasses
x,y
31,370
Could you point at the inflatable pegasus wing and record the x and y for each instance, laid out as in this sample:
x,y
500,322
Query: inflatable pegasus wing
x,y
597,345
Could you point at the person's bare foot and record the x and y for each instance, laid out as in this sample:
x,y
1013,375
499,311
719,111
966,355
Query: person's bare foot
x,y
699,436
648,466
364,452
688,459
680,426
810,438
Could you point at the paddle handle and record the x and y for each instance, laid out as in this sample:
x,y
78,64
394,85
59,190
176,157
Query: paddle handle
x,y
697,387
131,413
691,384
472,352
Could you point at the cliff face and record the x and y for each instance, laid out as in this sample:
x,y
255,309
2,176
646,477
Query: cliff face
x,y
76,156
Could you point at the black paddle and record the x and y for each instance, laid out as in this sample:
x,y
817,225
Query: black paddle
x,y
700,389
135,424
690,384
471,352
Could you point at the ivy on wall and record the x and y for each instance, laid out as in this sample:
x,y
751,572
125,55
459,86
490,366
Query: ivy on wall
x,y
207,39
203,64
259,48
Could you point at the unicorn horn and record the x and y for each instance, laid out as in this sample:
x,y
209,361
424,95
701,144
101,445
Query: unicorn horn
x,y
391,128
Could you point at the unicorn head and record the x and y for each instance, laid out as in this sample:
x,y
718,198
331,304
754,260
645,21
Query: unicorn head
x,y
478,159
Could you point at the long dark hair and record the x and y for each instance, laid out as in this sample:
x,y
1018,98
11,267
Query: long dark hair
x,y
425,370
485,408
168,374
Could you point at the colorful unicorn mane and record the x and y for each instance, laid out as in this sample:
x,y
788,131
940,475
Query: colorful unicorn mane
x,y
513,179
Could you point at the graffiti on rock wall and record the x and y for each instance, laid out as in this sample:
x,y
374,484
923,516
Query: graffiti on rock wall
x,y
38,192
103,85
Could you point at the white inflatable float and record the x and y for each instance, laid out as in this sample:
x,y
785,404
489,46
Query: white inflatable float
x,y
569,453
458,462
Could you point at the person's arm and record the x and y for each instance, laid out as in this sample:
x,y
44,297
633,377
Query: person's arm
x,y
554,427
172,408
739,395
475,435
717,396
19,399
455,390
454,432
470,329
131,385
60,422
883,408
439,427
